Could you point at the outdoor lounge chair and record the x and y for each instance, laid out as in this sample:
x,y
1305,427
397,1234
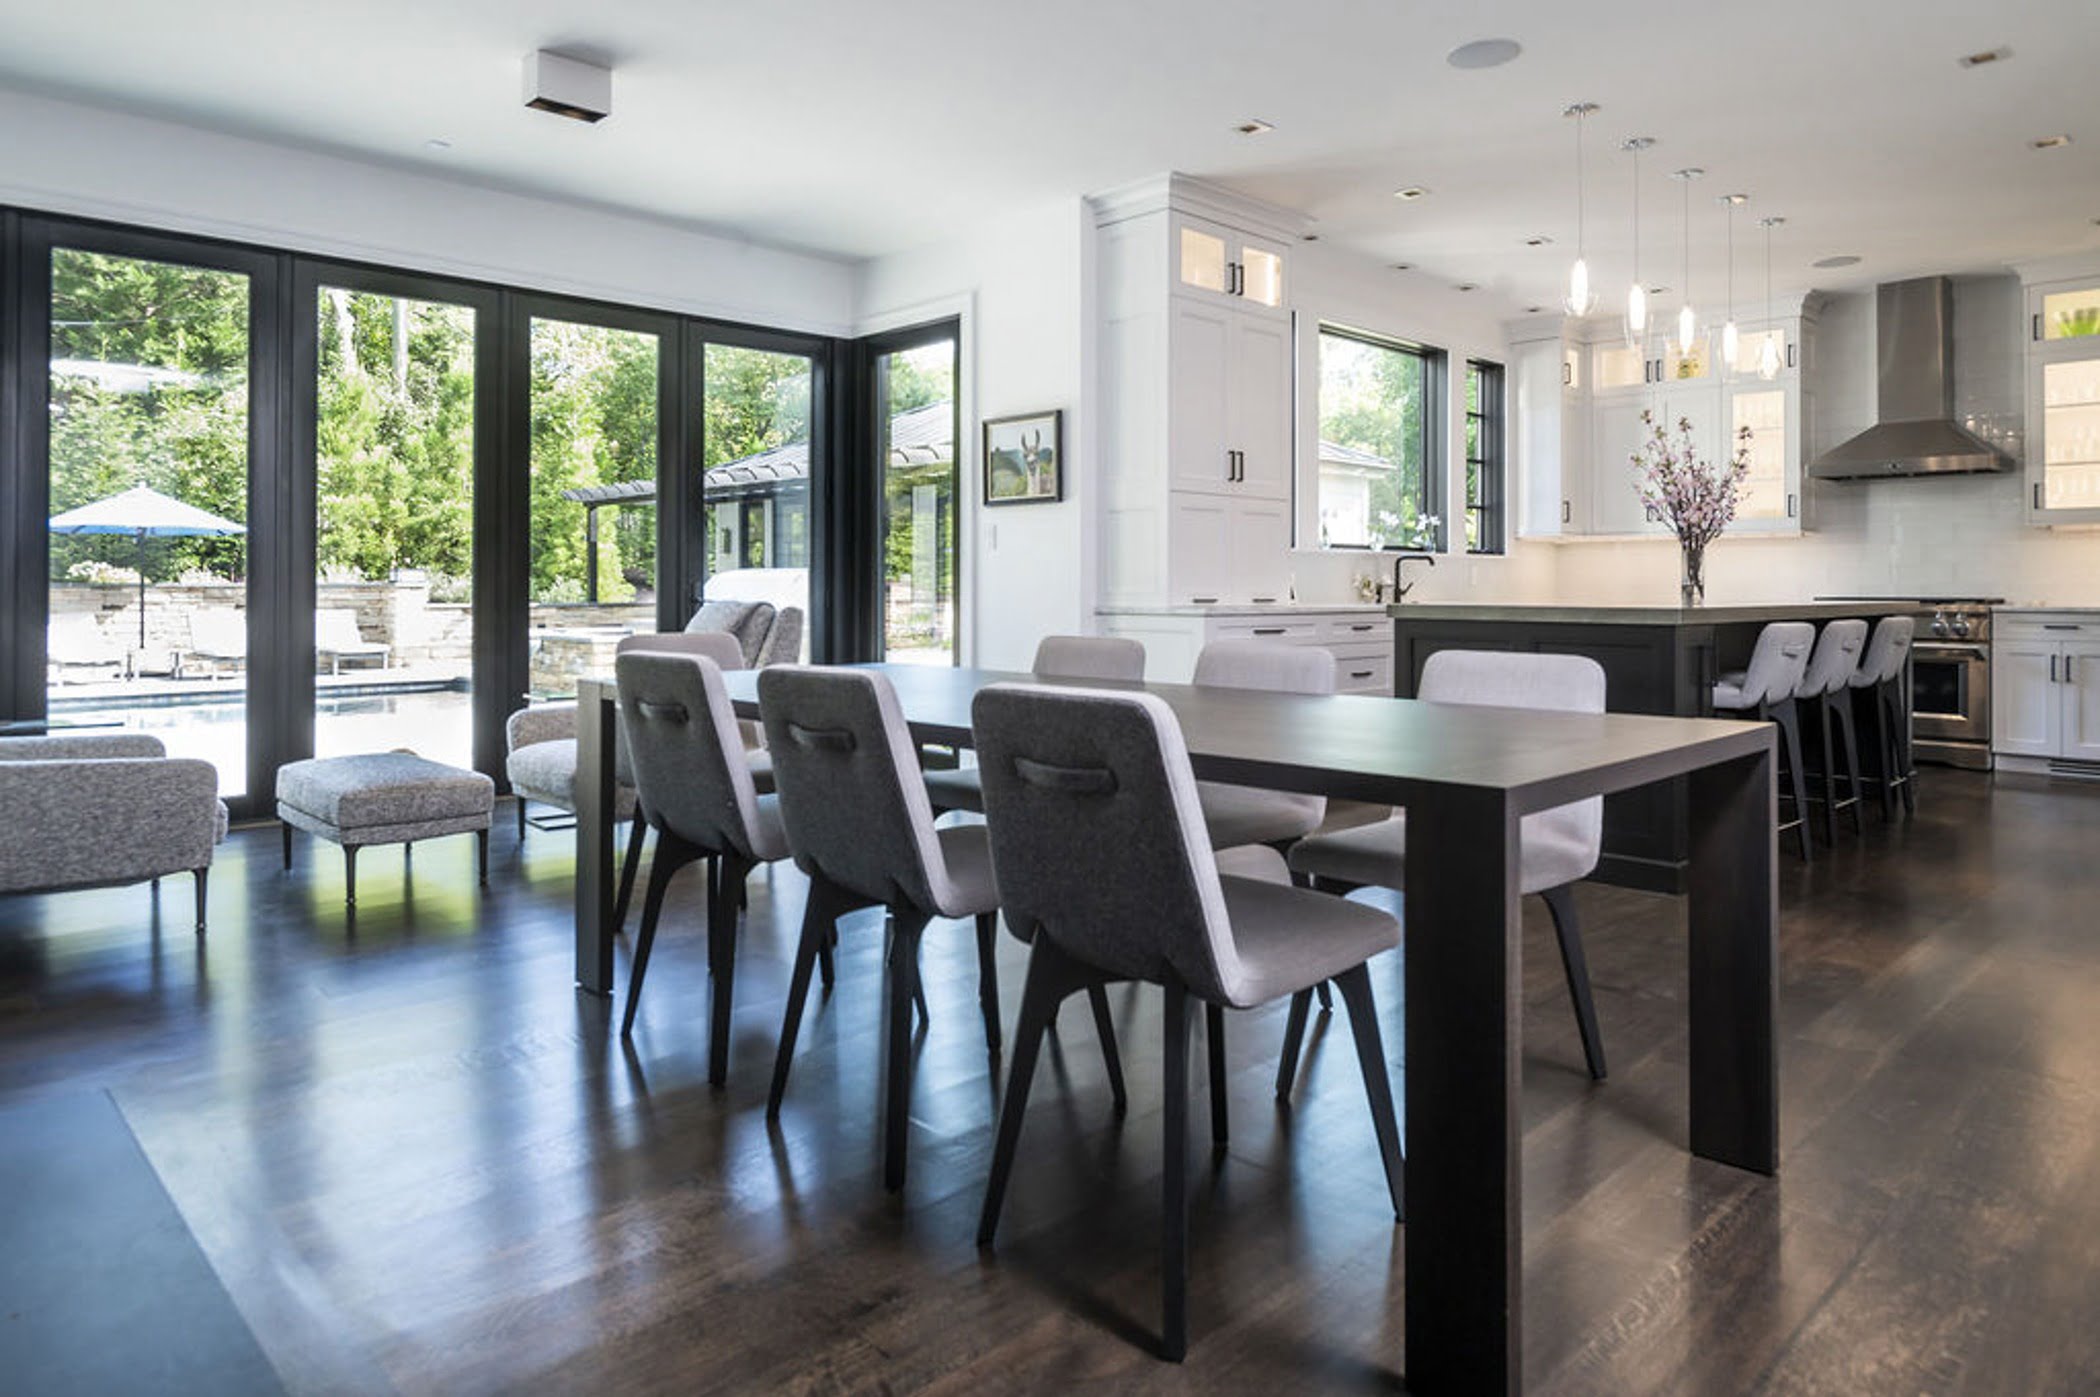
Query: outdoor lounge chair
x,y
78,642
217,638
337,638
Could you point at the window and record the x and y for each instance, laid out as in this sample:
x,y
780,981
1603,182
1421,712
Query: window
x,y
915,432
1485,483
1380,484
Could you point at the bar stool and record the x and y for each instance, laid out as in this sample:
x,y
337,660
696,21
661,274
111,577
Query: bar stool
x,y
1098,840
1882,684
1095,658
861,826
1766,691
1827,688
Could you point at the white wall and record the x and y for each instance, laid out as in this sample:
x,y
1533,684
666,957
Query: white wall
x,y
1023,288
1342,288
1951,536
63,157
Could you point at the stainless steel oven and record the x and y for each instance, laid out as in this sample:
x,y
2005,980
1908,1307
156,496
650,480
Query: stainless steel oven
x,y
1950,677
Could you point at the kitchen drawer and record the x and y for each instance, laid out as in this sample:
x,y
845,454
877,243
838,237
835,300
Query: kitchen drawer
x,y
2068,626
1364,674
1347,630
1292,630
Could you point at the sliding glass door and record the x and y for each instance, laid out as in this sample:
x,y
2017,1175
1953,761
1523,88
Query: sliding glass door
x,y
916,436
149,414
757,429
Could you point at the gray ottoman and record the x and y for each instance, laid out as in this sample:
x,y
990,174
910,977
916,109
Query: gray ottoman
x,y
382,798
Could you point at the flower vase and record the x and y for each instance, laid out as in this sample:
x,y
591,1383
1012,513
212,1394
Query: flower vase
x,y
1691,581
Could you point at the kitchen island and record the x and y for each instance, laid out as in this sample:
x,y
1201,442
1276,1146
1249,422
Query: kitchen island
x,y
1657,659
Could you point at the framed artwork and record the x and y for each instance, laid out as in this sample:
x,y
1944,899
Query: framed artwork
x,y
1024,458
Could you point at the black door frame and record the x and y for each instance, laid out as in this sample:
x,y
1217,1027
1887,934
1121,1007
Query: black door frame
x,y
859,500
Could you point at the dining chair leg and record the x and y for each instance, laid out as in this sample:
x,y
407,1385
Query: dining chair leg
x,y
1214,1042
1788,716
819,916
672,854
349,875
201,877
721,954
286,826
988,976
918,993
1052,975
1174,1250
629,866
481,854
1293,1042
1326,998
1105,1029
520,803
904,992
1567,928
1355,985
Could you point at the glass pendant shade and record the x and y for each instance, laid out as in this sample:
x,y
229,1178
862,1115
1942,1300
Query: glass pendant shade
x,y
1731,345
1687,326
1580,300
1636,314
1768,358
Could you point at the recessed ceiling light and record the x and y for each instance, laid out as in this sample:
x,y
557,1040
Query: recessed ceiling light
x,y
1309,237
1977,60
1403,266
1255,126
1467,286
1411,193
1843,259
437,143
2050,142
1484,53
1533,310
1657,290
1537,240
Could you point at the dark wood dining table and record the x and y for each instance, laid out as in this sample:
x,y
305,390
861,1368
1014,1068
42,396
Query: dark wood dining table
x,y
1466,776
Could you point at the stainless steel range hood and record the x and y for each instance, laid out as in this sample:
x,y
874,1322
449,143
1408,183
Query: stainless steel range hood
x,y
1915,432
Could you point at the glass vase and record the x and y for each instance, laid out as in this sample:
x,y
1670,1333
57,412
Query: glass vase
x,y
1691,577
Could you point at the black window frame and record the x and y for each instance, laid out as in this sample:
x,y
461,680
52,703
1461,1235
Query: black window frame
x,y
867,517
1435,430
1489,470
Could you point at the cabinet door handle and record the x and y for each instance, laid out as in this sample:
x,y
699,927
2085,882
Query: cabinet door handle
x,y
1567,512
1268,630
1567,374
1792,504
1361,673
2052,669
2069,660
2038,494
1363,628
2059,625
1790,356
2038,325
1203,601
1264,601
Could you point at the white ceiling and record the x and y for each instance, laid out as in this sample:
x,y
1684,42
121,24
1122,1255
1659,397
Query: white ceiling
x,y
856,129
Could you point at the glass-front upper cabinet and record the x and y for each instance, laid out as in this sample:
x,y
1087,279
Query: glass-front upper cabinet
x,y
2063,401
1213,259
1770,500
1617,366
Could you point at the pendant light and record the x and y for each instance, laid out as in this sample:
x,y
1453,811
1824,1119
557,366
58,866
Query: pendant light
x,y
1581,299
1731,337
1687,320
1637,294
1768,354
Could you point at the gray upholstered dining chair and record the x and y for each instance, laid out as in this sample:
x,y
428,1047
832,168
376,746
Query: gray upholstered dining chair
x,y
1556,848
1236,815
1765,691
1826,691
861,826
1084,657
542,754
698,794
1882,683
1097,835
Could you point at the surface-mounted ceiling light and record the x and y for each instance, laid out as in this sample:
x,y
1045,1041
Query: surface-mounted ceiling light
x,y
1687,321
1636,298
437,143
1484,53
1538,240
1977,60
1768,352
1843,259
567,86
1255,126
2050,142
1731,337
1411,193
1580,298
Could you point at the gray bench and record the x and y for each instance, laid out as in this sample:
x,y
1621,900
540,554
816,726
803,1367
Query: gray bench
x,y
382,798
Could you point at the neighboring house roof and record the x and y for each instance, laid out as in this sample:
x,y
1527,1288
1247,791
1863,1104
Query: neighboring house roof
x,y
1333,453
919,436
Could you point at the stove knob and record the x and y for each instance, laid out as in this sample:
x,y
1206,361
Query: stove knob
x,y
1961,627
1939,623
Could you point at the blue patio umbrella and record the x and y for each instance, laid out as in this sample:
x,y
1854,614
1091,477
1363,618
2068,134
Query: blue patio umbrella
x,y
144,513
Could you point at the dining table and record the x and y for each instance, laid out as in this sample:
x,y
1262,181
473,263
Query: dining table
x,y
1466,776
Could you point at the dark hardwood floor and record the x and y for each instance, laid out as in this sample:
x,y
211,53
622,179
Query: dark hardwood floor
x,y
422,1163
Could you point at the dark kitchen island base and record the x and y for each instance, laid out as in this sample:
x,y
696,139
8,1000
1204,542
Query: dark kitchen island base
x,y
1661,660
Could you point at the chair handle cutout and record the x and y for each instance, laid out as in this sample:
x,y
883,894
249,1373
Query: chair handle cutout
x,y
1073,780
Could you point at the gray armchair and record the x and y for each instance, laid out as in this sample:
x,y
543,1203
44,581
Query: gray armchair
x,y
102,810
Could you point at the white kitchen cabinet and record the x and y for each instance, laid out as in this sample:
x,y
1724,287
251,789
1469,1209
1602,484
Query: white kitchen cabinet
x,y
2045,691
1574,477
1360,638
1195,393
2063,398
